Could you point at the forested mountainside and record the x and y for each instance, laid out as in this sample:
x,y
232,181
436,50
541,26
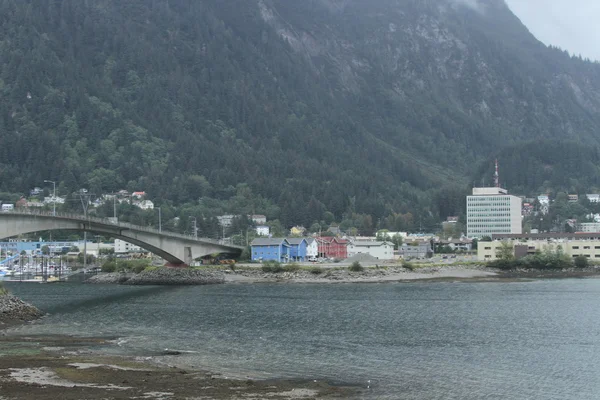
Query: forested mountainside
x,y
364,109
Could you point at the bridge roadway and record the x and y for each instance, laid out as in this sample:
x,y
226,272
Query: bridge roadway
x,y
175,248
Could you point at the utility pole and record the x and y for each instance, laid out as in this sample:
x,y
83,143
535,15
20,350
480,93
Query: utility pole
x,y
195,227
159,219
98,243
85,204
53,196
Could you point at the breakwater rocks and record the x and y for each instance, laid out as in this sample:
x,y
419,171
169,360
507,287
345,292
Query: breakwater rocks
x,y
344,275
163,276
14,310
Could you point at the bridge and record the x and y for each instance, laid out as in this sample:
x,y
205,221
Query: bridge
x,y
175,248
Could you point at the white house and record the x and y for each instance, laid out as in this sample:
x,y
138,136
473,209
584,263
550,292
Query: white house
x,y
57,200
379,250
593,198
122,247
312,249
8,207
258,219
145,205
543,199
263,230
226,220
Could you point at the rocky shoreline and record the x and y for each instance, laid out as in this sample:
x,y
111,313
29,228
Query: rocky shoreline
x,y
163,276
14,311
392,273
367,275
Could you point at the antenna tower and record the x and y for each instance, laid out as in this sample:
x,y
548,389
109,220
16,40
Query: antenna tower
x,y
496,176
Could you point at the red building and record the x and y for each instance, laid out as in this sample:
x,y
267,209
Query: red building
x,y
332,247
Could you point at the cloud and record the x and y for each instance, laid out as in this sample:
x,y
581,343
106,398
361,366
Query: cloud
x,y
472,4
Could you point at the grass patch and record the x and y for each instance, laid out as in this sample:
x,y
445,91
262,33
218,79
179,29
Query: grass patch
x,y
316,270
273,267
293,267
3,291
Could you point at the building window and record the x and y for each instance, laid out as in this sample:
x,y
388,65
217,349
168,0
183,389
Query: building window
x,y
576,247
586,247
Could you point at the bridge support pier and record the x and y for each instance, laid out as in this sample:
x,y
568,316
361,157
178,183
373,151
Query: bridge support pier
x,y
187,259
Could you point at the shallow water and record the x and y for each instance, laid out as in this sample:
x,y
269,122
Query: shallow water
x,y
521,340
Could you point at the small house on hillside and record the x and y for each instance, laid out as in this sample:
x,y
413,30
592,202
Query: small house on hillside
x,y
297,231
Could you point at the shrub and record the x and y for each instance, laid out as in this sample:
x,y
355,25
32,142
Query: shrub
x,y
581,262
293,267
355,267
139,268
272,266
109,266
316,270
408,265
545,260
3,291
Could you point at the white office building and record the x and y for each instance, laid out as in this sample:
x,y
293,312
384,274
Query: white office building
x,y
491,211
122,247
589,227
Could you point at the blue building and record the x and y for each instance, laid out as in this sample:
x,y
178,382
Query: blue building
x,y
297,249
270,249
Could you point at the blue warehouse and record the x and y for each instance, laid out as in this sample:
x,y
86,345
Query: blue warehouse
x,y
270,249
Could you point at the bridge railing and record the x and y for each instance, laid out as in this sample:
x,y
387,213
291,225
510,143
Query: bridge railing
x,y
113,223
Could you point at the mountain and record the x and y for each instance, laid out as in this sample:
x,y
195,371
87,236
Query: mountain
x,y
309,110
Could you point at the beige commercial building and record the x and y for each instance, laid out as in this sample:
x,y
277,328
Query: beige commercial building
x,y
572,244
492,210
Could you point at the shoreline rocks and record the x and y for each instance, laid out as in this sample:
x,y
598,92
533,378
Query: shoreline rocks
x,y
14,310
367,275
163,276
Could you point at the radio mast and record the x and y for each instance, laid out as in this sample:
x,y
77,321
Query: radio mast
x,y
496,176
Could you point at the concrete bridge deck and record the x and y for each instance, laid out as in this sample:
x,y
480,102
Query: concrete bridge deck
x,y
175,248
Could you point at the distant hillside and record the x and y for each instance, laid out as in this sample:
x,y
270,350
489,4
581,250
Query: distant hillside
x,y
296,109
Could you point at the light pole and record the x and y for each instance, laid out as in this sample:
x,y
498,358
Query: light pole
x,y
195,227
159,219
53,196
98,255
84,204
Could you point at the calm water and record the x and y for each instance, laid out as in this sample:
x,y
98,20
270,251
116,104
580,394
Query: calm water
x,y
534,340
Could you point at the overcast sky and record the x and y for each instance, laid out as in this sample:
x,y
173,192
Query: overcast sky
x,y
573,25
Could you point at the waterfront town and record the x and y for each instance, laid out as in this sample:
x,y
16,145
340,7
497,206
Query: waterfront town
x,y
493,217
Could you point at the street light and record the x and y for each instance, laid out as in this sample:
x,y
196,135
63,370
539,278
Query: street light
x,y
53,196
195,227
159,219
